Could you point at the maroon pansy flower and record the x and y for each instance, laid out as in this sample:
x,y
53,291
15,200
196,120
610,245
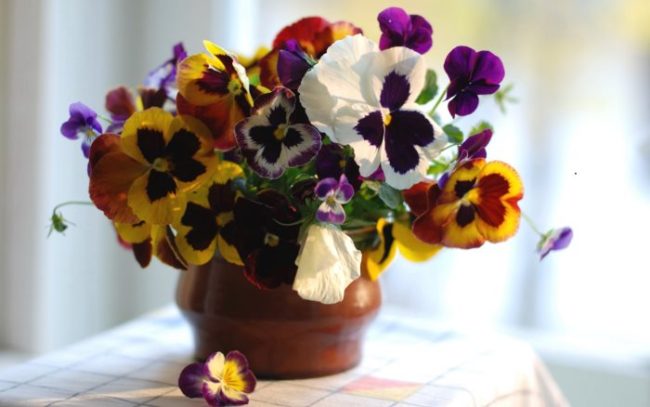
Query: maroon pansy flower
x,y
398,28
271,140
266,237
471,74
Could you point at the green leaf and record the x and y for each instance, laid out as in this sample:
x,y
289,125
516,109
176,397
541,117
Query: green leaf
x,y
430,88
454,133
390,196
480,127
503,97
437,167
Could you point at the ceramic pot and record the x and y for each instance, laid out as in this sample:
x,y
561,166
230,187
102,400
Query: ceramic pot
x,y
282,335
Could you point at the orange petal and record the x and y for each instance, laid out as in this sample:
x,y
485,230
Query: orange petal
x,y
110,180
269,70
421,196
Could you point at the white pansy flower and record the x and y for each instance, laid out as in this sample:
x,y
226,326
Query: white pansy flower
x,y
327,263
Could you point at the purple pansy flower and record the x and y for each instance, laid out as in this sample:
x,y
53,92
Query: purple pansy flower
x,y
293,63
221,381
401,29
474,146
555,239
83,121
334,194
471,74
365,98
164,76
271,140
331,162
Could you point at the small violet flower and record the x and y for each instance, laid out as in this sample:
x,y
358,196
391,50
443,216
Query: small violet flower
x,y
554,239
221,381
83,121
471,74
334,194
271,140
401,29
164,76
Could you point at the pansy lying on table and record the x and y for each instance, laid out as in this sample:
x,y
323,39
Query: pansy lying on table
x,y
310,163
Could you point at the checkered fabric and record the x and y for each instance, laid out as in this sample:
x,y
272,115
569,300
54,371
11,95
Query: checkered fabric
x,y
405,364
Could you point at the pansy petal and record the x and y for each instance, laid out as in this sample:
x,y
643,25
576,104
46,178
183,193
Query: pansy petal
x,y
191,380
330,213
215,364
196,236
459,226
133,233
155,198
334,91
458,63
420,38
301,143
380,257
327,263
110,180
399,63
237,375
345,190
144,134
419,197
488,68
463,104
326,187
202,79
412,248
302,31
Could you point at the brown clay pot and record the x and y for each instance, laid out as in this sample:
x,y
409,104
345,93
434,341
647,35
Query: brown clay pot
x,y
282,335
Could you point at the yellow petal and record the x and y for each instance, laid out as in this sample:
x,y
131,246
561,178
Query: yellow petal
x,y
162,211
379,258
411,247
133,233
154,120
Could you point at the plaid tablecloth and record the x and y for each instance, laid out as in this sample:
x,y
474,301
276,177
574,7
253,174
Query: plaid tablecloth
x,y
405,364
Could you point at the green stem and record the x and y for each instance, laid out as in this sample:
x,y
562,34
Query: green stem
x,y
104,118
440,98
61,205
531,224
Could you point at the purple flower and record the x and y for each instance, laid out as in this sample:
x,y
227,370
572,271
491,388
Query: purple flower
x,y
474,146
334,194
293,64
555,239
221,381
271,140
164,76
331,162
83,121
401,29
471,74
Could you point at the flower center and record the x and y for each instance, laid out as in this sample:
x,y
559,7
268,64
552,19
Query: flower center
x,y
271,240
161,164
342,163
234,86
281,132
331,200
387,119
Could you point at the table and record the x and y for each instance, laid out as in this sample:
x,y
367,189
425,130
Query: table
x,y
406,364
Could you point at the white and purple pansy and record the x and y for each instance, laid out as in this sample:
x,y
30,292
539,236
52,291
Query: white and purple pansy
x,y
334,194
271,140
363,97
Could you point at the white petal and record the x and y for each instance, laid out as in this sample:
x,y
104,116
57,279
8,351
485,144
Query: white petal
x,y
215,365
327,263
403,61
366,156
333,91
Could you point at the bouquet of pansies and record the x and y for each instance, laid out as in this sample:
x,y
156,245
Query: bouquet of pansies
x,y
308,164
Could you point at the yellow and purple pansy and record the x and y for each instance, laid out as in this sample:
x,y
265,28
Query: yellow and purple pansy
x,y
478,203
215,89
363,97
394,236
221,380
272,140
207,225
146,173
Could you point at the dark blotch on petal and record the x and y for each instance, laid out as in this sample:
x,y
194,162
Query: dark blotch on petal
x,y
203,224
213,81
183,144
388,240
293,138
407,130
465,215
187,170
159,185
463,187
371,128
151,143
277,116
395,91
